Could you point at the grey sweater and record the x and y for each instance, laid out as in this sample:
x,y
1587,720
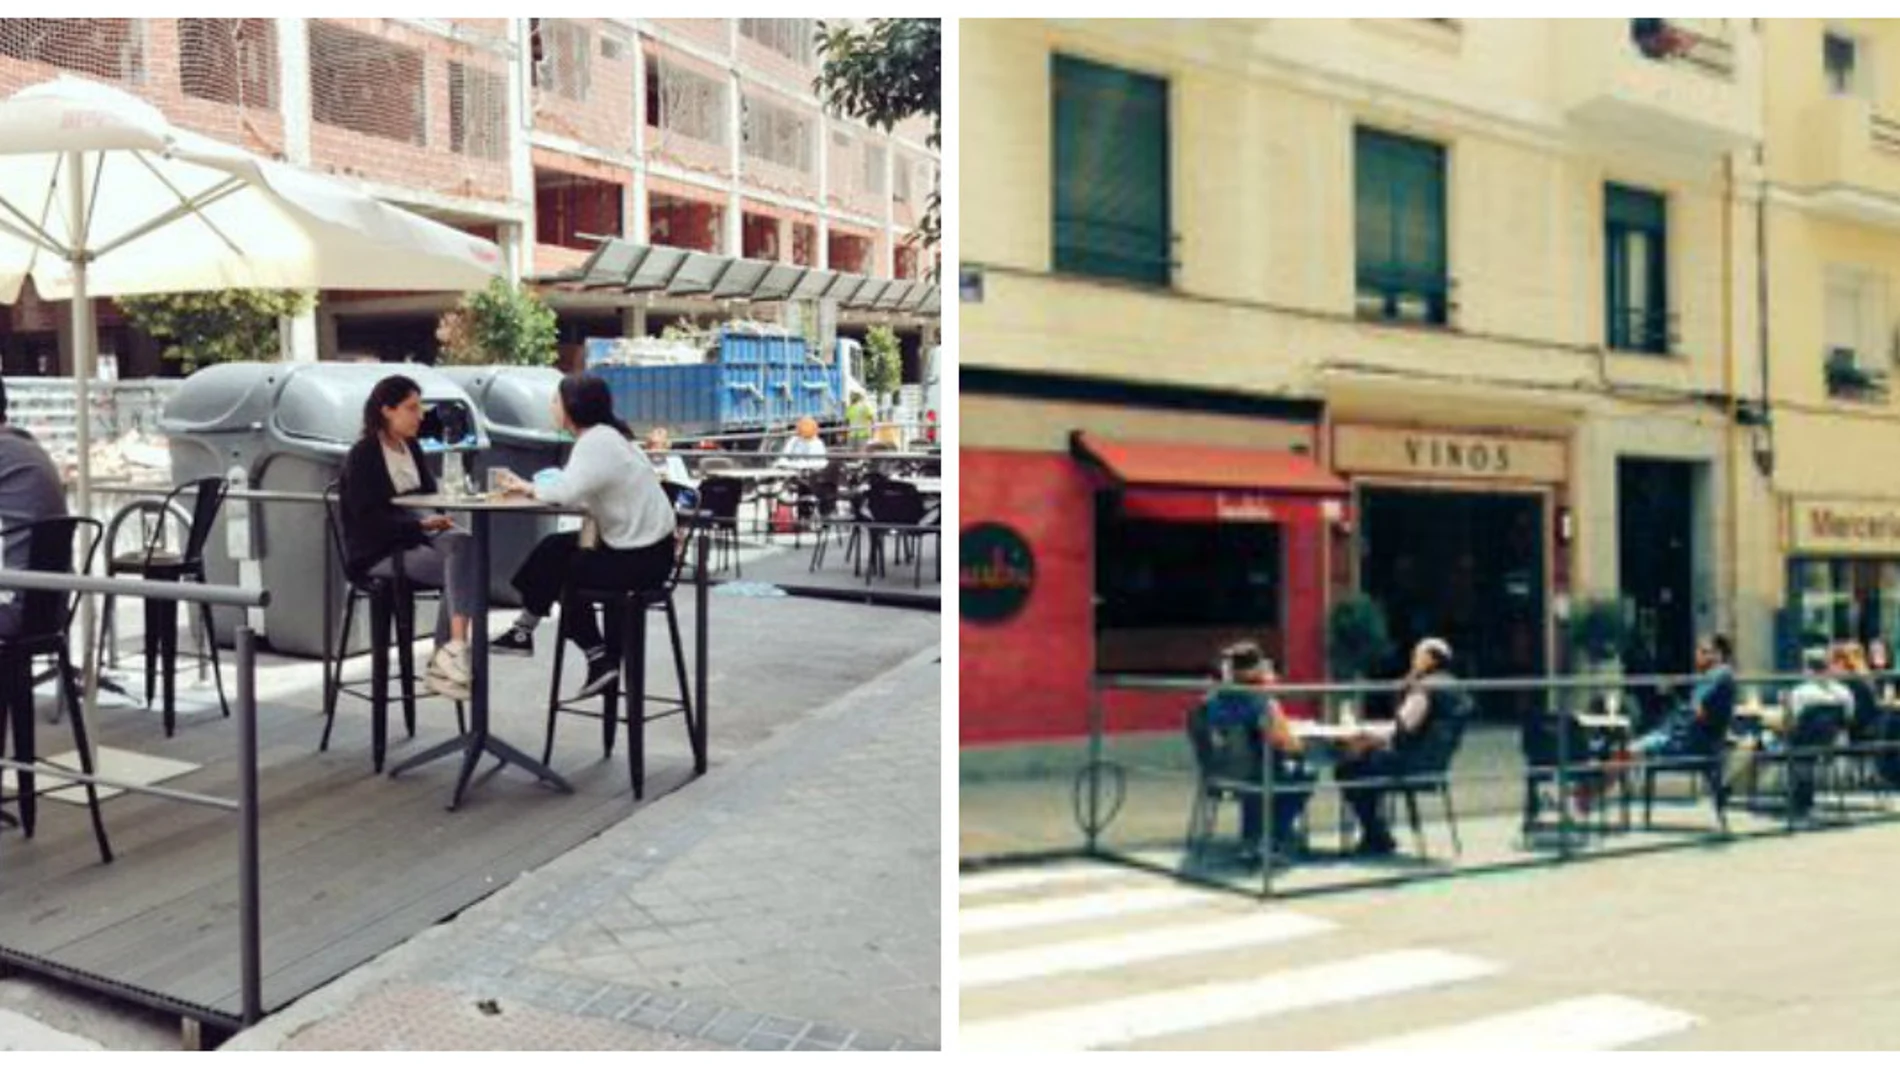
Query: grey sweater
x,y
29,491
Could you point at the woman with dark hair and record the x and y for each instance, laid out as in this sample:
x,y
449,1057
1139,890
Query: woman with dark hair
x,y
609,476
381,536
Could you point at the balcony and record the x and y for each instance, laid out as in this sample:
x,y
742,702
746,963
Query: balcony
x,y
1852,376
1683,83
1850,161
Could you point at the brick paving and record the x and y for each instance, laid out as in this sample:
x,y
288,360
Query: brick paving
x,y
791,901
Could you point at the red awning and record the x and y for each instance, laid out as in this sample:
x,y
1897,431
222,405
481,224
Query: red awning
x,y
1152,465
1214,484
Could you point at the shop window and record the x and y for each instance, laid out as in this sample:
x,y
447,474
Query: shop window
x,y
1859,340
1399,227
1636,269
1111,172
1160,575
1839,600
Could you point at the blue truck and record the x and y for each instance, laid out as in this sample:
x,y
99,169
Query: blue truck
x,y
755,384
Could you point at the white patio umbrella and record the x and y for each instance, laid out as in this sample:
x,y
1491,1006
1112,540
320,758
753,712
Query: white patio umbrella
x,y
101,196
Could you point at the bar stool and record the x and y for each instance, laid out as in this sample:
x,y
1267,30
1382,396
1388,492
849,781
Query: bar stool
x,y
392,607
156,562
50,548
626,633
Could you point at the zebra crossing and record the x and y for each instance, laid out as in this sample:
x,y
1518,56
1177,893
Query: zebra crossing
x,y
1089,956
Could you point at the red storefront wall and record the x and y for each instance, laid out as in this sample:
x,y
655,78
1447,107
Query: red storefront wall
x,y
1027,679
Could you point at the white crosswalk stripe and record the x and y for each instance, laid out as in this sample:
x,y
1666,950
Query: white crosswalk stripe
x,y
1135,975
1088,955
1022,915
1127,1020
1038,877
1596,1022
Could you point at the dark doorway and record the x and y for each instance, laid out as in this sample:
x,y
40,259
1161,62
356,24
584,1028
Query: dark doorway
x,y
1655,510
1468,568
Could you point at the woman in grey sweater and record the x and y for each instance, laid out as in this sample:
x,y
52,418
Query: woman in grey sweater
x,y
610,477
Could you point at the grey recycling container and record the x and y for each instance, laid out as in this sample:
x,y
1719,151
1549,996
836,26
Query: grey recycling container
x,y
287,427
516,408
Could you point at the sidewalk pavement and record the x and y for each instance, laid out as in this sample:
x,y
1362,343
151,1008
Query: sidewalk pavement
x,y
790,901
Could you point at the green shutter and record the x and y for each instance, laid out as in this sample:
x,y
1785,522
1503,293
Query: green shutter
x,y
1399,196
1110,171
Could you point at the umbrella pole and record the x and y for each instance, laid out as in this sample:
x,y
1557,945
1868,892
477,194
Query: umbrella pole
x,y
84,342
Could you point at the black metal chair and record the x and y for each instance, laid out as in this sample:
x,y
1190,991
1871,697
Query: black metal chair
x,y
895,510
47,617
1705,770
1428,770
392,607
1544,740
626,634
1810,755
1216,782
157,562
720,497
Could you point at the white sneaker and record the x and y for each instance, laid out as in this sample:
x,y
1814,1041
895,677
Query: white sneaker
x,y
448,672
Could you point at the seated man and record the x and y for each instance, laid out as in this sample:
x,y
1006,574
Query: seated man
x,y
1241,722
29,492
1818,709
1420,738
1700,728
659,449
807,450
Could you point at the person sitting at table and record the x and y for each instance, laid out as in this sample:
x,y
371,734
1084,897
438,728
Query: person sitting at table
x,y
1820,695
660,445
1699,728
1848,661
1240,723
381,536
30,491
1880,667
806,449
1430,710
610,477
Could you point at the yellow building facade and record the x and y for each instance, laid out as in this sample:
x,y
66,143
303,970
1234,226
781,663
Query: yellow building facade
x,y
1833,296
1561,409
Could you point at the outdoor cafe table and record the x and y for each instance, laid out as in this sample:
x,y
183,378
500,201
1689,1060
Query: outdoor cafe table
x,y
479,739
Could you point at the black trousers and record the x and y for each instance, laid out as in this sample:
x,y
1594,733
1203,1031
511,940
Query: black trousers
x,y
1367,798
559,558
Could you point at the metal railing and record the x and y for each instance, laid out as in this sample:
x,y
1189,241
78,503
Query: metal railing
x,y
250,944
1131,763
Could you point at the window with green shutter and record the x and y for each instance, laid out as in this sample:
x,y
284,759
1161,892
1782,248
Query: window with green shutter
x,y
1111,172
1636,269
1399,216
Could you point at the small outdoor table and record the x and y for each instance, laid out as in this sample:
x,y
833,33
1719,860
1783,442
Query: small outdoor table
x,y
479,739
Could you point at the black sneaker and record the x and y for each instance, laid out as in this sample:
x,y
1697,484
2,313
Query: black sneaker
x,y
514,642
602,672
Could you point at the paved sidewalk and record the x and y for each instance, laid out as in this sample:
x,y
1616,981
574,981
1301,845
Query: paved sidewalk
x,y
792,900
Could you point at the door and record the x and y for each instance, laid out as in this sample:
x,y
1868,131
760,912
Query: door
x,y
1655,511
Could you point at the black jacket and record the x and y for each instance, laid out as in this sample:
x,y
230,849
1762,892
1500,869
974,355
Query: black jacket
x,y
374,527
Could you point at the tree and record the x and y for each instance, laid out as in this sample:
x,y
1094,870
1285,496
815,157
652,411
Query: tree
x,y
883,74
502,324
883,361
215,327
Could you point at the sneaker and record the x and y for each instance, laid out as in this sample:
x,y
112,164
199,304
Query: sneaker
x,y
602,672
448,674
514,642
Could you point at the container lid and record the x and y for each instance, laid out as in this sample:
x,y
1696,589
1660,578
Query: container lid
x,y
322,404
514,401
223,397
